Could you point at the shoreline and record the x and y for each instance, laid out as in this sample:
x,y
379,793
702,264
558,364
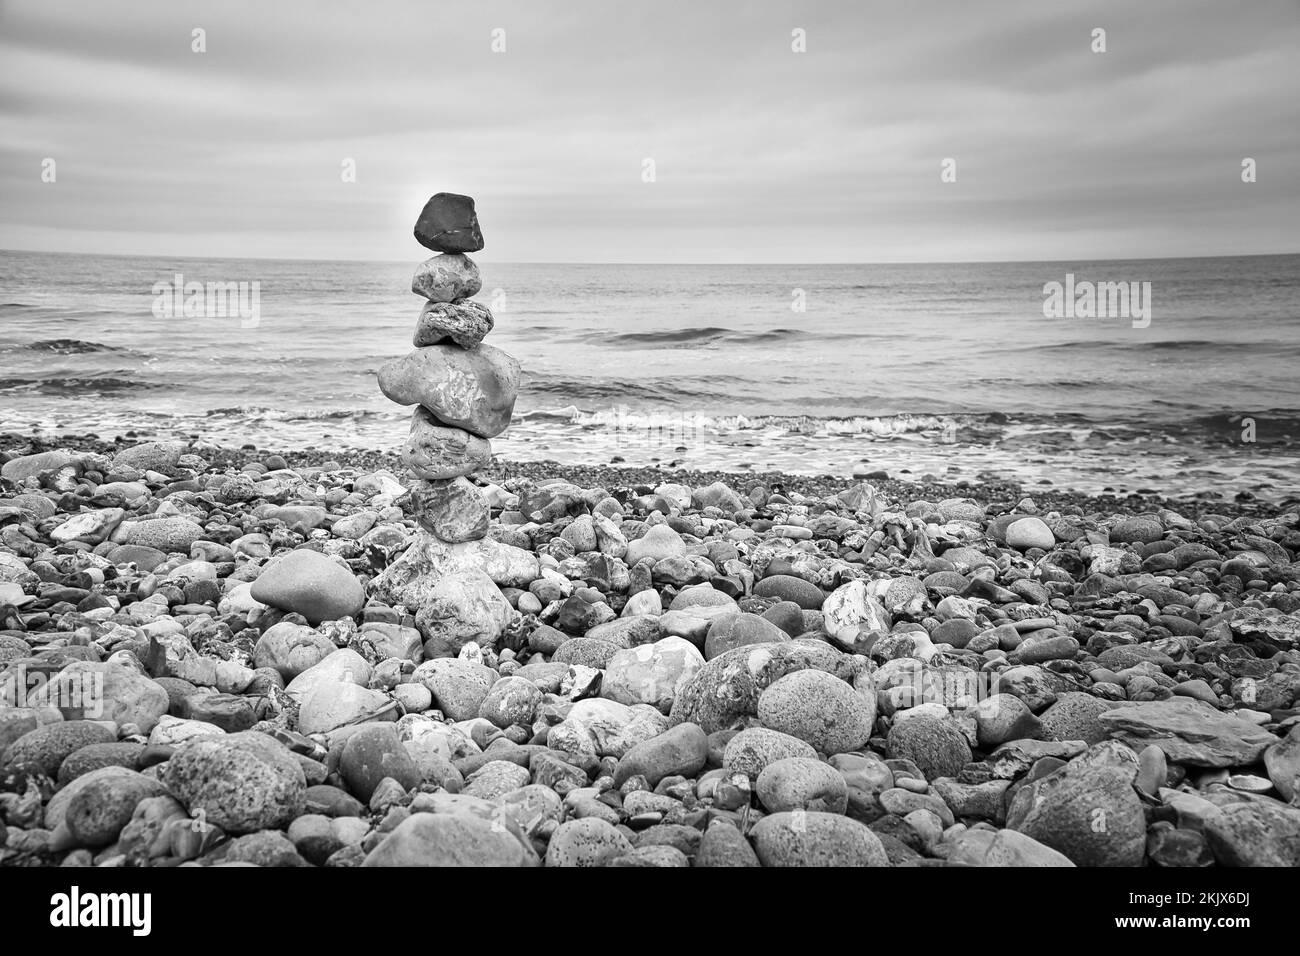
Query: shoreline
x,y
993,490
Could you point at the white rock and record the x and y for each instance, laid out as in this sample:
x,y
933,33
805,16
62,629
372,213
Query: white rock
x,y
239,600
171,731
849,609
327,707
651,673
411,578
343,666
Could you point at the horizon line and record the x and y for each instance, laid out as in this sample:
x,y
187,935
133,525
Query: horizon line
x,y
542,262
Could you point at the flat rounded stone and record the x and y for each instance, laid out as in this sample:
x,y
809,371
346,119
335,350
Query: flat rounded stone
x,y
93,756
797,783
448,839
1028,533
29,466
372,753
169,534
787,587
44,749
680,750
105,690
311,584
740,630
473,389
1189,732
446,278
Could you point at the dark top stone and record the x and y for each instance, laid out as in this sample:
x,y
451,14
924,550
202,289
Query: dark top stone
x,y
448,223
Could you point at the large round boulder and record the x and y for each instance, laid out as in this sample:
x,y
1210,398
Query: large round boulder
x,y
821,709
240,782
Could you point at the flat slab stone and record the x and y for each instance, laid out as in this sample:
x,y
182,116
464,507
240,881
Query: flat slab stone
x,y
1189,732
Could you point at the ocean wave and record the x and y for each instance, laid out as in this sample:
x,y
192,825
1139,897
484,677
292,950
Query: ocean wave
x,y
662,391
267,413
875,425
708,333
716,335
78,385
70,347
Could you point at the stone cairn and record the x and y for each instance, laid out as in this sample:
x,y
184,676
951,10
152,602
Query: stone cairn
x,y
464,391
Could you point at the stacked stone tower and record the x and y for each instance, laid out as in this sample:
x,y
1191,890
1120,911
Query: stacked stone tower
x,y
464,391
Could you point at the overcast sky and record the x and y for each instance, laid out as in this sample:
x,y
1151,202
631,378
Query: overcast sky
x,y
761,154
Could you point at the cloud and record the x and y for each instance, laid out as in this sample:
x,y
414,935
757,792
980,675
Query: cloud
x,y
761,154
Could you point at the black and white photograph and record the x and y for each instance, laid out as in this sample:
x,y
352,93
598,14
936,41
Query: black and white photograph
x,y
591,433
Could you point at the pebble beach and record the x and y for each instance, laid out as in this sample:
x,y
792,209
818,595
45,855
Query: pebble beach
x,y
425,655
218,656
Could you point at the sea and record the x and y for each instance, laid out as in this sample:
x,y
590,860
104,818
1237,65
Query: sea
x,y
956,370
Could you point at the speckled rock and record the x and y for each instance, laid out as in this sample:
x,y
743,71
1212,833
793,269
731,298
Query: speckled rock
x,y
934,744
586,842
755,748
821,709
99,811
723,846
44,749
169,534
801,838
726,689
240,782
458,686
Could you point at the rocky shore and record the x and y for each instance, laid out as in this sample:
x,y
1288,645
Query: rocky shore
x,y
219,656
